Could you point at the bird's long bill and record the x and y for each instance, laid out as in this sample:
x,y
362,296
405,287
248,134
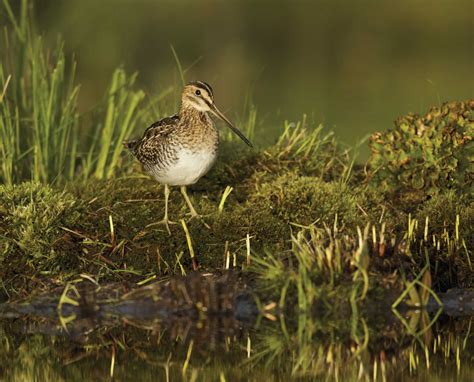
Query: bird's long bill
x,y
218,113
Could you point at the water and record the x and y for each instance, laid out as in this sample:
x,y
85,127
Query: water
x,y
139,337
150,351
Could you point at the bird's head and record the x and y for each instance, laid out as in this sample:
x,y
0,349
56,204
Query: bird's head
x,y
199,96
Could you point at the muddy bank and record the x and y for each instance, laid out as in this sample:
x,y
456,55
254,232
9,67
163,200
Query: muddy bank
x,y
194,297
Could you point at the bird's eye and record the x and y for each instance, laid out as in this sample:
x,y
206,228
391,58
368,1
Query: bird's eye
x,y
198,92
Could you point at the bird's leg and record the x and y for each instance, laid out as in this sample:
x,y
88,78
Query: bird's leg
x,y
167,196
194,214
165,219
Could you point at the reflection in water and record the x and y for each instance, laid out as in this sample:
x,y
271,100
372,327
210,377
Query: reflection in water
x,y
130,343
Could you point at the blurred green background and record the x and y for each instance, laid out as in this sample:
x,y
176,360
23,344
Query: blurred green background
x,y
352,65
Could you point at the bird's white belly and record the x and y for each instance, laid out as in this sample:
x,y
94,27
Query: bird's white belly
x,y
187,169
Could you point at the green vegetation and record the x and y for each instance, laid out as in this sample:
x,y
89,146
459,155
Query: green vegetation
x,y
311,222
429,154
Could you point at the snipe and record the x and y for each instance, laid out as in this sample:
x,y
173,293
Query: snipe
x,y
179,150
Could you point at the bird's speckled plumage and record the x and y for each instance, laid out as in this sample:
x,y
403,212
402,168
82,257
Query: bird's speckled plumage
x,y
172,140
180,149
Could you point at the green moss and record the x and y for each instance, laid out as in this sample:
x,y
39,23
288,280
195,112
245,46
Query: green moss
x,y
308,200
33,215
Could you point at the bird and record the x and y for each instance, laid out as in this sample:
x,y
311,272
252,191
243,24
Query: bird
x,y
178,150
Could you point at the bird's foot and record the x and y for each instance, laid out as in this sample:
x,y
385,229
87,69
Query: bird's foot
x,y
166,222
195,215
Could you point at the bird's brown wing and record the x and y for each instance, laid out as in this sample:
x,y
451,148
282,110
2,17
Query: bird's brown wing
x,y
154,132
153,148
161,127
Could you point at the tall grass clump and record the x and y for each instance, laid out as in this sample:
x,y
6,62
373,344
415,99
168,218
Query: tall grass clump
x,y
38,110
316,152
9,135
43,136
112,126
